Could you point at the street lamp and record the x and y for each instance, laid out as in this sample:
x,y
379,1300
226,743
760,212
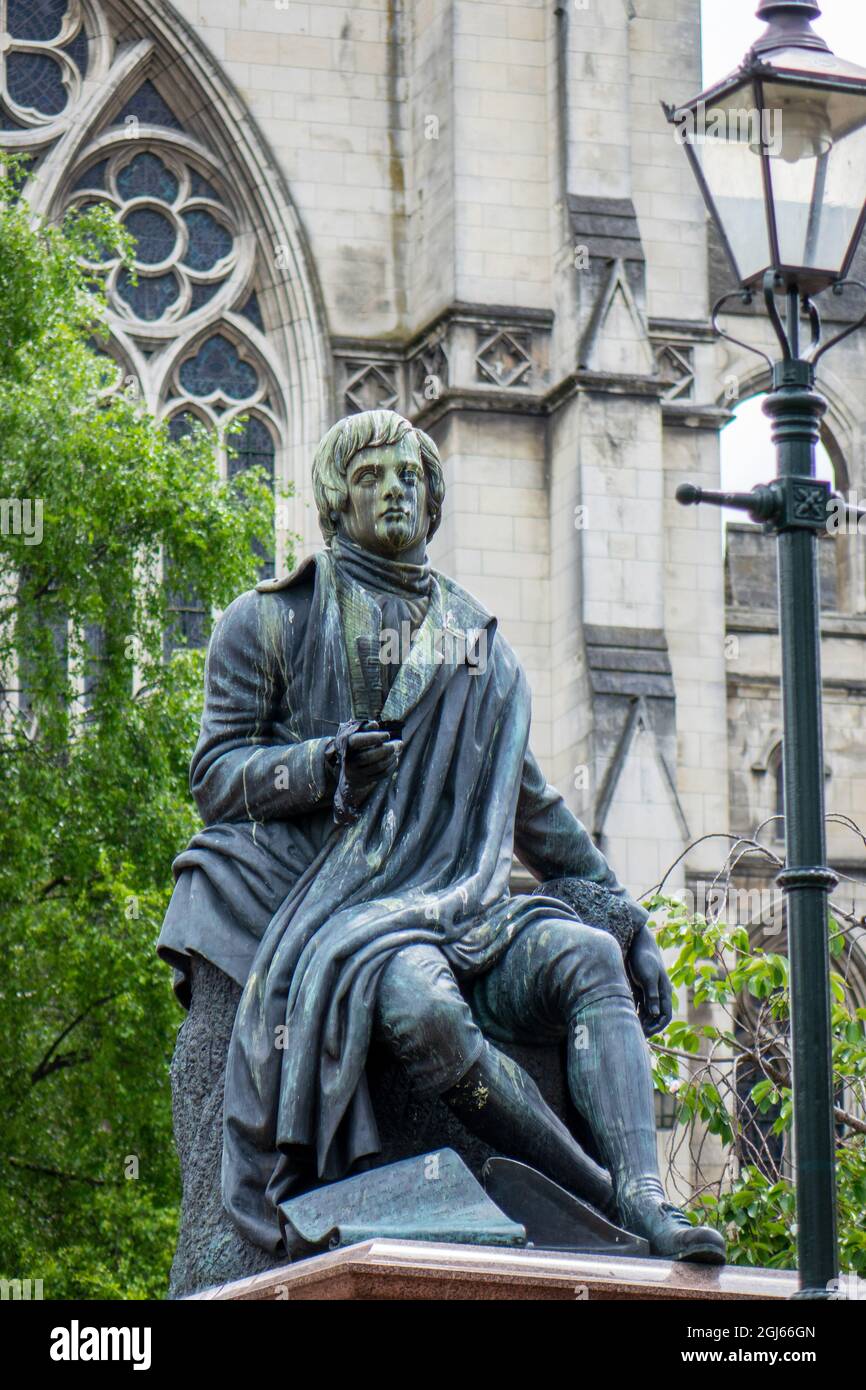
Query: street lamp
x,y
779,151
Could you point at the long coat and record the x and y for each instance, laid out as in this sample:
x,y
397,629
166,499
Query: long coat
x,y
305,914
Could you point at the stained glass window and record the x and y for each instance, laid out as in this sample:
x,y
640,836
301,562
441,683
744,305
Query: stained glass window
x,y
201,294
154,234
189,623
78,51
252,311
757,1144
218,368
150,108
184,240
35,80
200,188
94,636
146,176
94,177
667,1109
8,122
39,20
150,298
209,241
254,448
55,623
181,425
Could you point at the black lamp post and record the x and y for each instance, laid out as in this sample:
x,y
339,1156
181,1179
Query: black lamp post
x,y
779,151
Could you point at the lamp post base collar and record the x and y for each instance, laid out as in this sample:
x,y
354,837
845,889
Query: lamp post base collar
x,y
821,878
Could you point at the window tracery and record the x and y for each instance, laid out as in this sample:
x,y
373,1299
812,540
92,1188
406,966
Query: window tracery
x,y
204,326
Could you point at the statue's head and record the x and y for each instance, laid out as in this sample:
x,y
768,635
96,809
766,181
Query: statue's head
x,y
378,480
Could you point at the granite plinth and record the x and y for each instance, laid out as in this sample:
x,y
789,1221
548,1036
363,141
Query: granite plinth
x,y
380,1270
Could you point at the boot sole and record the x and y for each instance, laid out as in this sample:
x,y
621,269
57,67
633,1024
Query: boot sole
x,y
703,1255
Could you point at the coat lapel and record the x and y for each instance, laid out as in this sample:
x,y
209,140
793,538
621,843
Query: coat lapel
x,y
418,670
447,637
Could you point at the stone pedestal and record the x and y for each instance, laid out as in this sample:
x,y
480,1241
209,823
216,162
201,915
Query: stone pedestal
x,y
414,1270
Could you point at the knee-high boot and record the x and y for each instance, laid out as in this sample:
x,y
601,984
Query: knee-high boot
x,y
502,1105
611,1084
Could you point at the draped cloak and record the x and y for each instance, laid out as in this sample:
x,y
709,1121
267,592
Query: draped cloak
x,y
305,914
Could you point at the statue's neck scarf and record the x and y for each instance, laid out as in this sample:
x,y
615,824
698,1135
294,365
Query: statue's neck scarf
x,y
402,591
381,576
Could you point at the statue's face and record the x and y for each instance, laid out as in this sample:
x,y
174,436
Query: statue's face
x,y
387,507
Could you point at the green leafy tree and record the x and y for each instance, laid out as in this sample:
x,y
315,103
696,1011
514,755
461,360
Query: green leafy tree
x,y
731,1075
96,729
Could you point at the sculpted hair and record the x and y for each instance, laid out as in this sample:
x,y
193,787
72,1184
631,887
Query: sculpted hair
x,y
369,430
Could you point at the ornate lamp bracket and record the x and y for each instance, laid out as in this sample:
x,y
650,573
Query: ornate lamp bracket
x,y
745,297
817,351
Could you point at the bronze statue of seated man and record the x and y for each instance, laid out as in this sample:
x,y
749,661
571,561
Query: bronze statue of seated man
x,y
365,776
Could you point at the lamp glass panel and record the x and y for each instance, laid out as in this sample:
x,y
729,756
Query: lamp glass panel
x,y
817,148
726,140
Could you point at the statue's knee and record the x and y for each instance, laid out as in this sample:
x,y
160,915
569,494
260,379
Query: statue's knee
x,y
424,1020
419,999
604,953
582,960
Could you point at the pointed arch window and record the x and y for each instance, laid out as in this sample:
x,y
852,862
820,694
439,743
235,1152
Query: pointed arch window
x,y
103,98
254,448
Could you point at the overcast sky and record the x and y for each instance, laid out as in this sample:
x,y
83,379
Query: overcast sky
x,y
729,28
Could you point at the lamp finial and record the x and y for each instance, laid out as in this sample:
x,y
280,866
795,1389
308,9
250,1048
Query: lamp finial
x,y
789,25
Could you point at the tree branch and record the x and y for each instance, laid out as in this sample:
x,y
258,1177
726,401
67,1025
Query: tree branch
x,y
55,883
49,1062
55,1172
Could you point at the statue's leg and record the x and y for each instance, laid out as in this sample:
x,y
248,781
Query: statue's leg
x,y
565,975
424,1019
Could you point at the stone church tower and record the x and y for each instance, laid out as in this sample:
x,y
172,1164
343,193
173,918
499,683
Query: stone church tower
x,y
475,213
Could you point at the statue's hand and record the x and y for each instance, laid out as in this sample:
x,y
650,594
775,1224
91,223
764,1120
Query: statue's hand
x,y
649,974
369,756
362,758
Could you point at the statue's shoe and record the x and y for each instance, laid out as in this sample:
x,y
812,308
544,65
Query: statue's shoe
x,y
672,1236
